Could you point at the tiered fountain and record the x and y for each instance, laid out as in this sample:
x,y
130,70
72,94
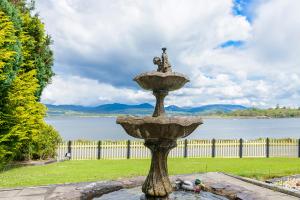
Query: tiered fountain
x,y
160,131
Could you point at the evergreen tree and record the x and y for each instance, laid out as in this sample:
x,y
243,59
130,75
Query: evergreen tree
x,y
10,59
36,50
25,69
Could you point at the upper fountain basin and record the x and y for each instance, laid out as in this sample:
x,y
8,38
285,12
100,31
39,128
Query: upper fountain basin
x,y
161,81
159,127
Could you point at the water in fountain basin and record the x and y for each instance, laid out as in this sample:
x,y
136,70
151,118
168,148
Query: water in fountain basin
x,y
136,193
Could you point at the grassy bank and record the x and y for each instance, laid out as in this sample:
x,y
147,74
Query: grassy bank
x,y
93,170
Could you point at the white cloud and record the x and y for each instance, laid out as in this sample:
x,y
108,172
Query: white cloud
x,y
83,91
265,70
101,45
97,32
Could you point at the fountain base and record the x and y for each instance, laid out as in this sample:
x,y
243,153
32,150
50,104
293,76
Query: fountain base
x,y
157,183
144,197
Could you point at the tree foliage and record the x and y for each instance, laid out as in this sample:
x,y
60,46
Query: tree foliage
x,y
25,69
272,113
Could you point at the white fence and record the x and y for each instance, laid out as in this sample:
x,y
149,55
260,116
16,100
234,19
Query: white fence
x,y
91,150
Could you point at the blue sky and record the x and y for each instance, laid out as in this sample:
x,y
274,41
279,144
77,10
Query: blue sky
x,y
246,8
238,52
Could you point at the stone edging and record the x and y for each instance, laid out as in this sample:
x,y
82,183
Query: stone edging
x,y
267,185
99,188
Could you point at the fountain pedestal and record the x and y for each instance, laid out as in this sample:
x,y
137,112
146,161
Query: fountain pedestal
x,y
160,132
159,107
157,183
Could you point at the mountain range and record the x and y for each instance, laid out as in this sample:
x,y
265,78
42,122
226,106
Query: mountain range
x,y
140,109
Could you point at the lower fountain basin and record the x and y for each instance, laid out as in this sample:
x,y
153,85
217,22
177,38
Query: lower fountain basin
x,y
162,127
136,194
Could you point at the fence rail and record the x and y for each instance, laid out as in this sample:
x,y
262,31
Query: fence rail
x,y
127,149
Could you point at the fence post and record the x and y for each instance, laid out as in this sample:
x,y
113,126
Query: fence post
x,y
267,147
241,148
185,148
128,149
298,148
99,149
70,149
213,148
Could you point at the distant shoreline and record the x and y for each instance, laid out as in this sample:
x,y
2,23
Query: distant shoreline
x,y
216,111
204,116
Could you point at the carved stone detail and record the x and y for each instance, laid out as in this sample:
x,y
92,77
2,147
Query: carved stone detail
x,y
157,183
163,64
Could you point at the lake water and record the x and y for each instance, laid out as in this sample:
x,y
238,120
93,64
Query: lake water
x,y
105,128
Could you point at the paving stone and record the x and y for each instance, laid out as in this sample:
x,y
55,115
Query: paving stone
x,y
245,196
8,193
218,186
64,189
27,198
64,196
64,192
238,186
33,191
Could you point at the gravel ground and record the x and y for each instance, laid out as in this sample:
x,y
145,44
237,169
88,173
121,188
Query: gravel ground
x,y
293,183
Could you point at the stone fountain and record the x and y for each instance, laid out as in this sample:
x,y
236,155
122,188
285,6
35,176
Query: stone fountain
x,y
160,131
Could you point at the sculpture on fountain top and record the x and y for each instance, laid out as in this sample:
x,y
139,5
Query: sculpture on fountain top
x,y
163,63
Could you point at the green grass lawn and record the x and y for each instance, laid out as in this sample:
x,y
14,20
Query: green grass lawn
x,y
94,170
